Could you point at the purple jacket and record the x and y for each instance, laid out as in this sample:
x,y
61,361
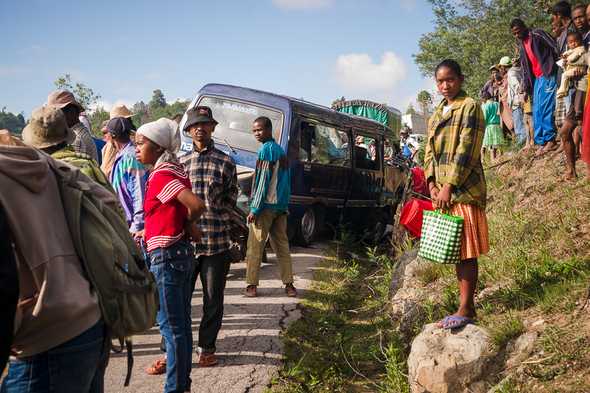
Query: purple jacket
x,y
546,52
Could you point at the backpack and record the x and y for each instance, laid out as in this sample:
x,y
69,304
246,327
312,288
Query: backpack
x,y
126,290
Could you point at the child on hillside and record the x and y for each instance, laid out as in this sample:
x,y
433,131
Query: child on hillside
x,y
493,137
574,62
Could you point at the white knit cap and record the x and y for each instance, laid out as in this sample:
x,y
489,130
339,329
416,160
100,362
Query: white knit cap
x,y
163,132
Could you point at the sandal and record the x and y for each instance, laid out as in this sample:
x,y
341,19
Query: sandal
x,y
157,368
207,360
455,322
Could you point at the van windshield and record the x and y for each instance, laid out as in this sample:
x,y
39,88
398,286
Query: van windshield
x,y
235,122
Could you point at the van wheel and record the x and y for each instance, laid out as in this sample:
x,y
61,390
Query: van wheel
x,y
310,225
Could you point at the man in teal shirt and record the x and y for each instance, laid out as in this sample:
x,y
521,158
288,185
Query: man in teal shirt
x,y
269,204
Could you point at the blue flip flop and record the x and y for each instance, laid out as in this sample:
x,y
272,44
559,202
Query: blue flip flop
x,y
455,322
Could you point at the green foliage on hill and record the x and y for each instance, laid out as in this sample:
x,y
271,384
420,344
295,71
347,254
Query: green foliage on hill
x,y
10,121
476,33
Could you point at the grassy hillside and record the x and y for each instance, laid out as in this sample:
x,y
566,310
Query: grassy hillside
x,y
535,279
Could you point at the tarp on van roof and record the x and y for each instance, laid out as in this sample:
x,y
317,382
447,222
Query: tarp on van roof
x,y
386,115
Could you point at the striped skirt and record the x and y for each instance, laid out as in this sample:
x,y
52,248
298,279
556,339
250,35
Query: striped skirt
x,y
475,240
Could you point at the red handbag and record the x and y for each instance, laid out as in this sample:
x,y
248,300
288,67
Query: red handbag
x,y
411,215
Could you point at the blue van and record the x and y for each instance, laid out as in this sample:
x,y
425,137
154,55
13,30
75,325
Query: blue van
x,y
337,160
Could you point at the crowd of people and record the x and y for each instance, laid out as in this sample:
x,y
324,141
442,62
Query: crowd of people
x,y
178,212
539,96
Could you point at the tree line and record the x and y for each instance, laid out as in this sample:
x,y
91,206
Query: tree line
x,y
476,33
156,108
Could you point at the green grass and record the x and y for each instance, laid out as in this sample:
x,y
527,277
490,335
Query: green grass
x,y
509,328
345,340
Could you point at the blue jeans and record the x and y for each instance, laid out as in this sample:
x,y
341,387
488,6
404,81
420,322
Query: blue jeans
x,y
77,366
519,126
172,268
544,109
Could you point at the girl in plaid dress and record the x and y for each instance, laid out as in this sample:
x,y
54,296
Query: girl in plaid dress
x,y
455,177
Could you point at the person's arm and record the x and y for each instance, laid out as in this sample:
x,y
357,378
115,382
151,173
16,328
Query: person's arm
x,y
195,207
136,181
548,41
262,178
230,183
8,290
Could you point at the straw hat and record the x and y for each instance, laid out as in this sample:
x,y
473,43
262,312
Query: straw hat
x,y
120,111
46,128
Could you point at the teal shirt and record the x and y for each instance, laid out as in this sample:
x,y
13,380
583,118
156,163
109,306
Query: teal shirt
x,y
272,179
491,112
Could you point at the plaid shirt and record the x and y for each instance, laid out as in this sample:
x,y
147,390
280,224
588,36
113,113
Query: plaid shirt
x,y
214,179
453,149
83,142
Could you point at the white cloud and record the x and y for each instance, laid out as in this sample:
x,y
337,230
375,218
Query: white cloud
x,y
408,5
302,4
107,105
358,74
12,71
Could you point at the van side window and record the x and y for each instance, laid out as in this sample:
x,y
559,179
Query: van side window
x,y
366,150
322,144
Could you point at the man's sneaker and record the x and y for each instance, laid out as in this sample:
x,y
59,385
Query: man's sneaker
x,y
250,291
290,290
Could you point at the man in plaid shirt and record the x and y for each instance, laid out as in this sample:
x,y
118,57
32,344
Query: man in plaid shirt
x,y
213,177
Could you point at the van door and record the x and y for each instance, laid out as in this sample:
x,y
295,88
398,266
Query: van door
x,y
326,160
367,170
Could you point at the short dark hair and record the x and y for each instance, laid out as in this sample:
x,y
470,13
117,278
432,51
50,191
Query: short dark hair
x,y
579,6
451,65
562,8
517,22
265,122
575,34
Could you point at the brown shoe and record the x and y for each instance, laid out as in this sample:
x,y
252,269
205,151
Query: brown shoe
x,y
290,290
207,360
157,368
250,291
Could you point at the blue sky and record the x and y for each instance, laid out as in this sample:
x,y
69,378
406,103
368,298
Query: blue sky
x,y
318,50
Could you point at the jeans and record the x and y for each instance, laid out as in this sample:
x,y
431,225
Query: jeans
x,y
519,126
76,366
544,109
172,268
213,270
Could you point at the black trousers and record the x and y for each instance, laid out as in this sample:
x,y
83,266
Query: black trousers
x,y
213,271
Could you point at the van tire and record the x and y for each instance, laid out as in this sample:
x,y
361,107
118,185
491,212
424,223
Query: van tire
x,y
309,225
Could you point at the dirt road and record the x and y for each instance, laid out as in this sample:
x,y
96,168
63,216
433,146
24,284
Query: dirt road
x,y
248,346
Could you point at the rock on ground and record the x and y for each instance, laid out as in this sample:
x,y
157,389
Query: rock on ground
x,y
248,346
450,361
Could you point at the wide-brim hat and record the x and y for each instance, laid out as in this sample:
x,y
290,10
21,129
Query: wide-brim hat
x,y
47,127
62,98
199,114
494,67
120,111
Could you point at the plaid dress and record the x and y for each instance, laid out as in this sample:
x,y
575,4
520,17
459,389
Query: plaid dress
x,y
213,177
453,156
453,150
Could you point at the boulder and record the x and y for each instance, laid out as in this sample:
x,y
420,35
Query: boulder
x,y
408,294
450,361
520,349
